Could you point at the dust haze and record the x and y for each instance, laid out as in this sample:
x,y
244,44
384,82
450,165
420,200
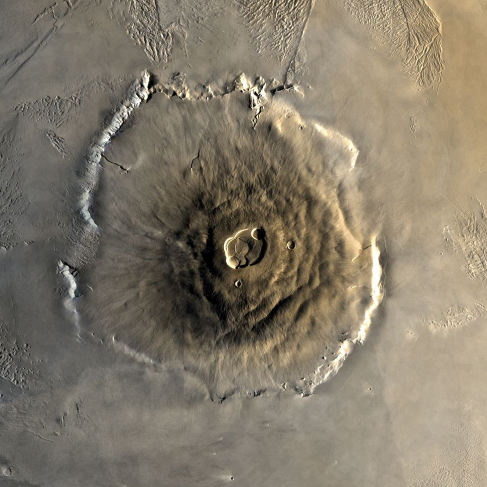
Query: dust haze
x,y
243,242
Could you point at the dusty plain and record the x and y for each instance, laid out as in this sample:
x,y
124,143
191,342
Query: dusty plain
x,y
404,81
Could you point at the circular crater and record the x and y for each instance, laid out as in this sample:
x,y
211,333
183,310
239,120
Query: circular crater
x,y
291,245
199,262
245,248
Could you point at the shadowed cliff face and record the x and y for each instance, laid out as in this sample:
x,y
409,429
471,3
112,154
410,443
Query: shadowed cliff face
x,y
204,187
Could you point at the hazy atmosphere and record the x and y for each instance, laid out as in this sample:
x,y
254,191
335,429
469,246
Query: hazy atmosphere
x,y
243,242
